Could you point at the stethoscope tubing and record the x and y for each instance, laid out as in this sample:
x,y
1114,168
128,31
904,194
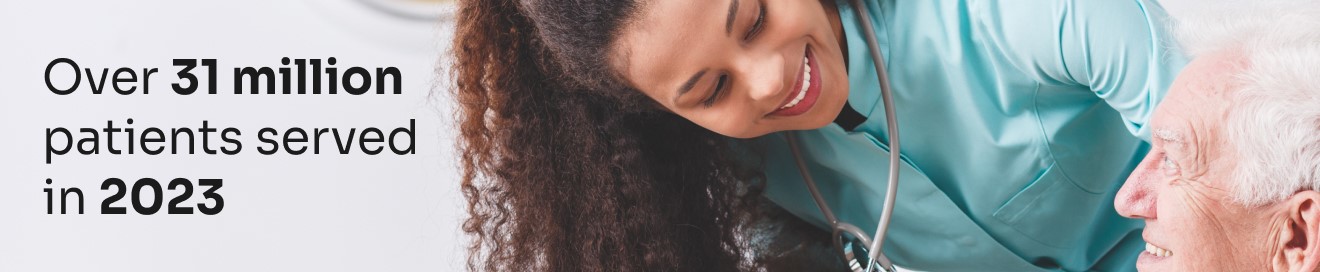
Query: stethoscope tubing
x,y
876,258
891,120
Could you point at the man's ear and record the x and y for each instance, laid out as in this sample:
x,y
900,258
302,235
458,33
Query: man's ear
x,y
1301,233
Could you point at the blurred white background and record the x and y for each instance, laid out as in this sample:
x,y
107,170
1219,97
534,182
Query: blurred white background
x,y
325,212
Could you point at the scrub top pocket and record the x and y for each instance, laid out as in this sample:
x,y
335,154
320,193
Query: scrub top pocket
x,y
1047,208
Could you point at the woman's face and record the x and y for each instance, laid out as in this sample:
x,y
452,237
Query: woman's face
x,y
741,68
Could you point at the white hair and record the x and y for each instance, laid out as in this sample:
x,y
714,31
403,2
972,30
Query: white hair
x,y
1274,125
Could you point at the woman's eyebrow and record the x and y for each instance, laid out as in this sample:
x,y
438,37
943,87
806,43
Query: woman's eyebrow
x,y
733,11
687,86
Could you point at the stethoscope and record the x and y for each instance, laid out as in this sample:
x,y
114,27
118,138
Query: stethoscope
x,y
857,257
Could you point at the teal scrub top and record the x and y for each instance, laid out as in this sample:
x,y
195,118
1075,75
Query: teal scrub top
x,y
1019,119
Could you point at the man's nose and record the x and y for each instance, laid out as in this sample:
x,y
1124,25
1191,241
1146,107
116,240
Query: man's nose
x,y
1139,195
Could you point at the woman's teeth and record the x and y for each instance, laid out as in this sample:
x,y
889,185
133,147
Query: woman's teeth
x,y
806,83
1157,251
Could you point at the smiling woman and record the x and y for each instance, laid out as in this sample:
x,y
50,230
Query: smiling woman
x,y
749,65
637,152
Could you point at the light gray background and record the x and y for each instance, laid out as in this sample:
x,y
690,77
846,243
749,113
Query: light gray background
x,y
325,212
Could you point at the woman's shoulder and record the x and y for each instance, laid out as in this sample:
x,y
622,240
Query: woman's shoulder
x,y
1059,39
1045,23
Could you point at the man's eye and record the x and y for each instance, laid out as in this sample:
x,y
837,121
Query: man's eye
x,y
1170,168
719,89
756,26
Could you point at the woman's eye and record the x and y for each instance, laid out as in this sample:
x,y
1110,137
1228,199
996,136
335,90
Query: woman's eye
x,y
757,25
719,89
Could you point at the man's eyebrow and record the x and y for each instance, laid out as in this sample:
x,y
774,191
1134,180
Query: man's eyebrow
x,y
687,86
1167,135
728,23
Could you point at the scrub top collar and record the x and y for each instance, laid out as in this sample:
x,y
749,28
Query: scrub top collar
x,y
863,102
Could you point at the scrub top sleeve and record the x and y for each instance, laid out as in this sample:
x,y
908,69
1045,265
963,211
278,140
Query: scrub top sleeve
x,y
1119,49
1123,51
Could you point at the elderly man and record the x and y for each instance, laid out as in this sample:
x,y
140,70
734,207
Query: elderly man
x,y
1232,182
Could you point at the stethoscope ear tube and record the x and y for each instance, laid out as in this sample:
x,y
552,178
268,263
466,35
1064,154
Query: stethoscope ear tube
x,y
891,120
875,258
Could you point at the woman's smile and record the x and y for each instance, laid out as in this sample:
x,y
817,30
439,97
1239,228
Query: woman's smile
x,y
806,88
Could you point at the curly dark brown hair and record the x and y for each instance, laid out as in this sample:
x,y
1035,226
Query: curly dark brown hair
x,y
576,171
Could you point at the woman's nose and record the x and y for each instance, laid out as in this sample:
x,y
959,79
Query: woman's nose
x,y
764,76
1139,195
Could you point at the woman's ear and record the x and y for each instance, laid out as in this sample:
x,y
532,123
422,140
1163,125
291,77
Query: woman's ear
x,y
1301,233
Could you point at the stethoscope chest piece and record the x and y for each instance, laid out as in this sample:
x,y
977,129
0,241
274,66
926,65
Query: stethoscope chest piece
x,y
855,254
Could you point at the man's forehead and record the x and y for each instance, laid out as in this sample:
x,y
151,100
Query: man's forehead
x,y
1213,75
1198,100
